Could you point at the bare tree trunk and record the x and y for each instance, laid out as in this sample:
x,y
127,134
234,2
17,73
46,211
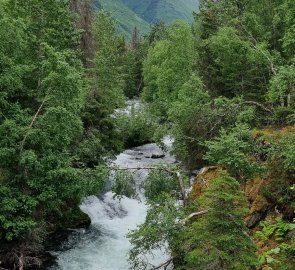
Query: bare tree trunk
x,y
21,262
86,25
289,100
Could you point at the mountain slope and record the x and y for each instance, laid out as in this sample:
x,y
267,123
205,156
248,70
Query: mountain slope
x,y
126,18
141,13
163,10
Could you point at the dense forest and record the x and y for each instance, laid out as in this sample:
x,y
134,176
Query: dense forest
x,y
223,88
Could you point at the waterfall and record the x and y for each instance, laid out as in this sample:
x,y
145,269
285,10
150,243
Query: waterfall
x,y
104,246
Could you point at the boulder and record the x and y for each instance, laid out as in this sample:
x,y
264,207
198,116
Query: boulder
x,y
157,155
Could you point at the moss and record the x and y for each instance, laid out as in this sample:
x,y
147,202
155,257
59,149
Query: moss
x,y
259,205
202,180
270,133
277,189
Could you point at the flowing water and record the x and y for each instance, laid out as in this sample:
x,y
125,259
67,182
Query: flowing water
x,y
104,246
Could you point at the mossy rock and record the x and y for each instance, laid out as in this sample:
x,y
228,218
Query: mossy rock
x,y
202,180
259,205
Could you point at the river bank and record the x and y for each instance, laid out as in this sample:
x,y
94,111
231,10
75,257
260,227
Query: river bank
x,y
103,245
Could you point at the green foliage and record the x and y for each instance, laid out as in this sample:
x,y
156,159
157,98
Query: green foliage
x,y
282,86
280,257
104,94
268,257
108,80
283,116
123,184
218,238
280,158
239,77
283,152
233,149
287,255
279,229
160,226
158,32
237,68
42,93
167,67
160,181
198,118
135,128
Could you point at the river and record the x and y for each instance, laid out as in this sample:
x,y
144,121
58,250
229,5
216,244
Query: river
x,y
104,246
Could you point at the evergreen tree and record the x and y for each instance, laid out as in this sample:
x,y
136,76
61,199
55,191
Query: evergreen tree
x,y
219,239
42,89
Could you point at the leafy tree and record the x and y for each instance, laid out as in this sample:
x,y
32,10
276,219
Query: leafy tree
x,y
160,181
282,86
158,32
196,118
133,64
135,128
237,68
108,44
233,150
42,90
160,226
167,67
104,93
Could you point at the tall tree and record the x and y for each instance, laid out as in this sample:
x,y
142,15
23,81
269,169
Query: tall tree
x,y
168,65
42,89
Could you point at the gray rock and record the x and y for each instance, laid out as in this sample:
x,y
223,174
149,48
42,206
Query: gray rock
x,y
157,155
255,218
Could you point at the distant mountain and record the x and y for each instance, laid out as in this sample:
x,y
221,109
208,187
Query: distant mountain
x,y
126,17
142,13
163,10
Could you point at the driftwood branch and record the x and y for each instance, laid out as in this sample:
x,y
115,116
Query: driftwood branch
x,y
195,214
164,264
33,121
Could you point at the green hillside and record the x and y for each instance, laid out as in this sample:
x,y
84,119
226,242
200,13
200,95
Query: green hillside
x,y
125,17
163,10
131,13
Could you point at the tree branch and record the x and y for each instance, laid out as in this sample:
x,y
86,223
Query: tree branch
x,y
166,263
257,104
272,68
33,121
195,214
